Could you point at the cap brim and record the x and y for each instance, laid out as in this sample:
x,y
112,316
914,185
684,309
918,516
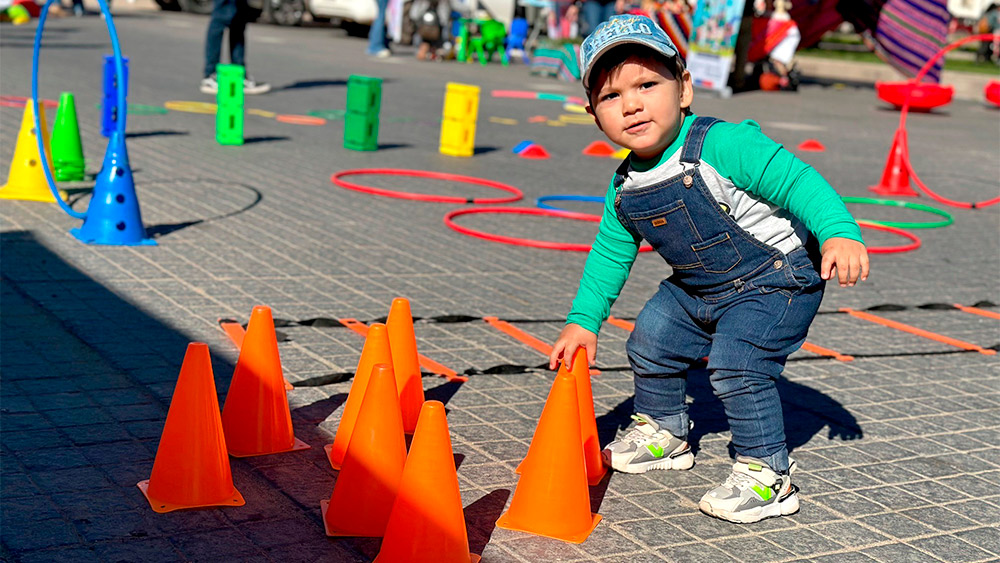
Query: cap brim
x,y
670,53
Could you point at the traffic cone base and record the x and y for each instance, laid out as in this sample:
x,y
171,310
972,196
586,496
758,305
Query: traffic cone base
x,y
579,537
163,507
296,446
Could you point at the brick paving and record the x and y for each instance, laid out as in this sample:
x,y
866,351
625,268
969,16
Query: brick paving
x,y
897,449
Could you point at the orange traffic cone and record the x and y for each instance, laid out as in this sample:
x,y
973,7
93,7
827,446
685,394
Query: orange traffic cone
x,y
373,467
896,177
376,351
405,362
26,179
588,421
256,416
427,524
192,467
552,498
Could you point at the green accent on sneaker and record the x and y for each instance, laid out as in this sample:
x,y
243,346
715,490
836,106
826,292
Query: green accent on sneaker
x,y
655,449
763,492
754,466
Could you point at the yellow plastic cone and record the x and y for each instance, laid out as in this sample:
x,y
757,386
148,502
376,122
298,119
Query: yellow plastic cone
x,y
26,179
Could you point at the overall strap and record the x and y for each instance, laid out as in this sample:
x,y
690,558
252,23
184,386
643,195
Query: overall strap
x,y
691,153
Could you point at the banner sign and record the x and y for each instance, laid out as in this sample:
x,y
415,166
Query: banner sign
x,y
712,44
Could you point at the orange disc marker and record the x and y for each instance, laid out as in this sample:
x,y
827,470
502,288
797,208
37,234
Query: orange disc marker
x,y
373,466
255,416
192,466
427,524
376,351
405,362
552,498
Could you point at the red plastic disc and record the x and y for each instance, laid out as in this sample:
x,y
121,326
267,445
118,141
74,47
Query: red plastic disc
x,y
914,244
338,179
516,241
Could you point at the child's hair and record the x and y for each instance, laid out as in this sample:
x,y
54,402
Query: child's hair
x,y
618,55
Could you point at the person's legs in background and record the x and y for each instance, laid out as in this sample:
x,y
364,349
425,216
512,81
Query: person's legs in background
x,y
591,12
223,12
378,44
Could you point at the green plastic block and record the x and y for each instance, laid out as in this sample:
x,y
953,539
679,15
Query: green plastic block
x,y
364,94
230,79
361,131
229,126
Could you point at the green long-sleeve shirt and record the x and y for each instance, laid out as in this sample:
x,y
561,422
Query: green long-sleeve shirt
x,y
737,160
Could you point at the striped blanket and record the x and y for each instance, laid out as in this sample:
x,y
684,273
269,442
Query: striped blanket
x,y
907,33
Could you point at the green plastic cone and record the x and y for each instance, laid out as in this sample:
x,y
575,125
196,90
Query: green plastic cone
x,y
67,148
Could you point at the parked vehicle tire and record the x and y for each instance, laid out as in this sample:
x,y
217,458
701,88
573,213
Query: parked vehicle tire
x,y
169,5
287,12
196,6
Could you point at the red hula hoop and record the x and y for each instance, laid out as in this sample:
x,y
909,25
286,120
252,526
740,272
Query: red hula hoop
x,y
902,126
914,244
338,180
532,243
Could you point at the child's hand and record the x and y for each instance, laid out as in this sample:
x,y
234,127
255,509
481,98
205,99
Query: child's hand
x,y
572,337
849,257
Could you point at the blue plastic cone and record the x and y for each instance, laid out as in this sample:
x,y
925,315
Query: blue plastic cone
x,y
113,215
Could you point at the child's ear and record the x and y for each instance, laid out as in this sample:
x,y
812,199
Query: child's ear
x,y
686,90
590,110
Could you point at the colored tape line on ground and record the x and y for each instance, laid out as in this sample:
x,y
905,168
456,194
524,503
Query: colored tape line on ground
x,y
236,333
190,107
524,337
977,311
328,113
301,120
918,331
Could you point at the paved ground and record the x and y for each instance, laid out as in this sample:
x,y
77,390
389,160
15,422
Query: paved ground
x,y
898,448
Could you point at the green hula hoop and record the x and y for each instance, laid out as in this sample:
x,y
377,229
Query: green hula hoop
x,y
904,224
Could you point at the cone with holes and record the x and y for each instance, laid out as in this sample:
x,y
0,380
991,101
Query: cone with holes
x,y
580,371
192,466
376,351
896,175
373,466
552,498
26,179
427,524
405,363
256,415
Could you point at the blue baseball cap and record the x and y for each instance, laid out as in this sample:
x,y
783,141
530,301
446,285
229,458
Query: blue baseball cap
x,y
620,30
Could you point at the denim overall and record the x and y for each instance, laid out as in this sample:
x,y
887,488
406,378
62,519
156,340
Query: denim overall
x,y
743,303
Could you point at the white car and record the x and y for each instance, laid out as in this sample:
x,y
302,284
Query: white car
x,y
355,15
356,11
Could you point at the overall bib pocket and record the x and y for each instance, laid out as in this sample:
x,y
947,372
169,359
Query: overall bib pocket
x,y
671,231
718,254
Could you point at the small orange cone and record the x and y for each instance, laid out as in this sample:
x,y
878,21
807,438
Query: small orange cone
x,y
373,467
896,177
599,148
192,467
552,498
256,415
588,421
26,179
375,351
405,362
811,145
427,524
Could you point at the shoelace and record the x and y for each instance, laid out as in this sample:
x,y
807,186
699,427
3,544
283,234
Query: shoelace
x,y
636,436
740,481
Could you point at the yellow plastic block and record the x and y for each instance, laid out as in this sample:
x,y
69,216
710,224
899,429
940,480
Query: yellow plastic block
x,y
461,101
458,138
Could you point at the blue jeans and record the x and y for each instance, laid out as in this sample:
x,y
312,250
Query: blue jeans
x,y
231,14
377,39
594,12
747,333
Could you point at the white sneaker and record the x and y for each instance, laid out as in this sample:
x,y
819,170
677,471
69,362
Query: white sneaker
x,y
645,447
209,85
383,54
251,86
752,493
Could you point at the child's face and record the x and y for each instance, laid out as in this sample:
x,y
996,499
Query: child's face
x,y
640,104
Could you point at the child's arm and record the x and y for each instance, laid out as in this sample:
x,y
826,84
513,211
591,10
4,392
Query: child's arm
x,y
604,275
764,168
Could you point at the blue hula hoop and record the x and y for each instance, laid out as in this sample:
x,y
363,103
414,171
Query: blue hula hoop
x,y
541,202
119,69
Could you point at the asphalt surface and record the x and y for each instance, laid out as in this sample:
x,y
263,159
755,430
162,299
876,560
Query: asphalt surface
x,y
897,448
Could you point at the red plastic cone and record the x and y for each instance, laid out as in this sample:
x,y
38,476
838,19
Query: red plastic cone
x,y
376,351
896,176
535,151
552,498
256,415
405,362
811,145
192,466
599,148
588,422
427,524
373,467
